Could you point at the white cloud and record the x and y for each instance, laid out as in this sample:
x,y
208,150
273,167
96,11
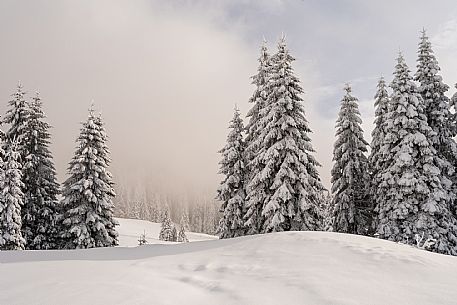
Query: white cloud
x,y
444,43
446,36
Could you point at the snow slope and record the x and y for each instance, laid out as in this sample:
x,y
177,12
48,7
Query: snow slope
x,y
130,230
280,268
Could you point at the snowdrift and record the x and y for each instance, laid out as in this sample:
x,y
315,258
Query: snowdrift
x,y
280,268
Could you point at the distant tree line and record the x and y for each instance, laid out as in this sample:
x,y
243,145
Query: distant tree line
x,y
403,190
201,212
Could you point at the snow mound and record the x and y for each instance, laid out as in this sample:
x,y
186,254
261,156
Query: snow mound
x,y
131,229
313,268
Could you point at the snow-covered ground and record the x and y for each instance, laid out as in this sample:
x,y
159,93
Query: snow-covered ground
x,y
130,230
281,268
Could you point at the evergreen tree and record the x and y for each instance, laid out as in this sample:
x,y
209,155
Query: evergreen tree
x,y
40,210
16,117
182,235
166,230
231,190
185,221
413,199
2,140
256,122
287,184
351,208
11,200
142,239
174,233
453,105
437,110
257,116
155,214
326,209
87,204
377,158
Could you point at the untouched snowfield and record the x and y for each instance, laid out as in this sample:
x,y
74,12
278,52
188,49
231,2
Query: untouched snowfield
x,y
281,268
130,230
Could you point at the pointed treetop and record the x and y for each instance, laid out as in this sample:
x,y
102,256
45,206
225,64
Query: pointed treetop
x,y
381,82
92,109
20,89
36,100
424,43
424,33
263,51
347,88
236,115
401,66
400,58
381,85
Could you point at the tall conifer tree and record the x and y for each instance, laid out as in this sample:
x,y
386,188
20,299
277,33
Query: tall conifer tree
x,y
11,200
40,210
413,200
231,190
351,207
439,117
88,219
378,156
287,183
257,121
16,117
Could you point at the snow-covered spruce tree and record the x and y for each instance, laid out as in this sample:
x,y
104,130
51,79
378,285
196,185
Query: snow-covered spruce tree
x,y
437,110
256,122
185,221
166,230
88,193
453,105
412,197
255,195
182,235
287,184
351,205
2,140
377,157
16,117
231,190
11,200
142,239
40,210
155,213
325,205
174,233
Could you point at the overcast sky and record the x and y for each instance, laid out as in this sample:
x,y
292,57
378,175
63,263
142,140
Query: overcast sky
x,y
166,74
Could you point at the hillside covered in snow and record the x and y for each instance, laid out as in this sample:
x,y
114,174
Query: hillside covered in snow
x,y
279,268
131,229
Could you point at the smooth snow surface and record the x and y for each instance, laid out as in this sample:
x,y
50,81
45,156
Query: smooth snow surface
x,y
279,268
131,229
